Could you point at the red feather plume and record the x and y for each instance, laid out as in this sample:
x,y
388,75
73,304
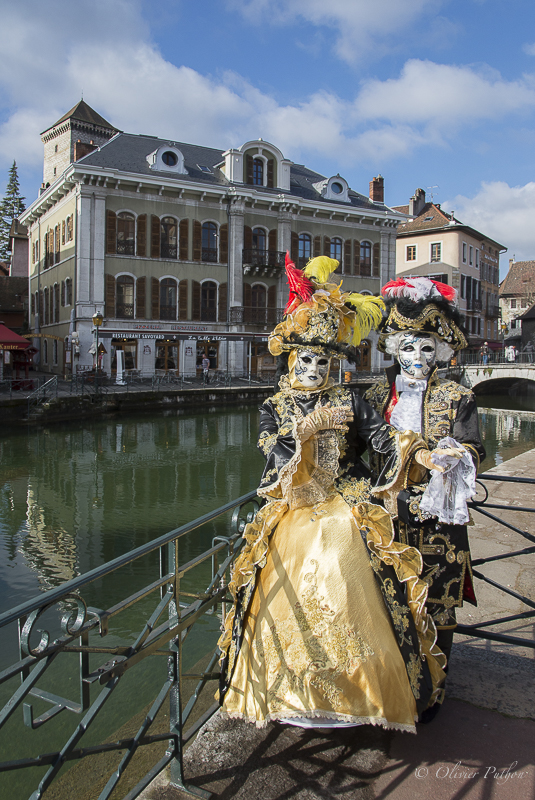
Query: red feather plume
x,y
301,289
446,291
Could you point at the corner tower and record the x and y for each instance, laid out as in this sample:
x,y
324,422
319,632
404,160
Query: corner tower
x,y
80,131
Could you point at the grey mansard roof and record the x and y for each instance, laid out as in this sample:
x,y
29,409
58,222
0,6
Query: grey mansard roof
x,y
128,152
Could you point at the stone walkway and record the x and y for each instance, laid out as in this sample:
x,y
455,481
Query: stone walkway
x,y
480,747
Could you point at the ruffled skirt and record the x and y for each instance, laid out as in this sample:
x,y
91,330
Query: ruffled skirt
x,y
318,641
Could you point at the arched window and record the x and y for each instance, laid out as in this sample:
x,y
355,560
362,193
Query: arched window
x,y
365,258
258,296
68,292
259,239
46,314
168,298
126,234
336,249
125,297
258,172
209,242
168,237
209,302
305,249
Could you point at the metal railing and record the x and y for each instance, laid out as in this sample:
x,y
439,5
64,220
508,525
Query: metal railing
x,y
495,358
168,614
45,392
252,315
480,629
263,258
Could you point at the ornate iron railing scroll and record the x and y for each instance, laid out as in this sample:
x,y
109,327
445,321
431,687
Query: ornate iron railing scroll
x,y
82,636
480,629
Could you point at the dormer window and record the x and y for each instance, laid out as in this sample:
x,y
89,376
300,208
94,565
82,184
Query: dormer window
x,y
335,188
167,159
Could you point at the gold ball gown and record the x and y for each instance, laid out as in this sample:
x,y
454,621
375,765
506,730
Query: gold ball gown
x,y
328,623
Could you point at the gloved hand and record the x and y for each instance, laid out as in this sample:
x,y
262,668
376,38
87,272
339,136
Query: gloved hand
x,y
426,457
325,418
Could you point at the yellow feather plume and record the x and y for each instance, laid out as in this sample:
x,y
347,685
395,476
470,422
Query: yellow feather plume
x,y
369,312
320,268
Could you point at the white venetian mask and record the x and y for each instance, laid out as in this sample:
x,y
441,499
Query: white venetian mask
x,y
311,369
417,355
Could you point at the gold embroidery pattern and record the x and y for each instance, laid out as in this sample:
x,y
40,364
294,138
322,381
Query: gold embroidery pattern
x,y
309,649
414,672
398,612
354,491
266,442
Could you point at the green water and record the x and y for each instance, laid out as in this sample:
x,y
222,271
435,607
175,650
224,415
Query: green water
x,y
75,496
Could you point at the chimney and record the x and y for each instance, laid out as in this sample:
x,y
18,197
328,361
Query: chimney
x,y
416,203
81,149
377,189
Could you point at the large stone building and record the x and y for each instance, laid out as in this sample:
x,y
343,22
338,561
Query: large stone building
x,y
433,243
181,247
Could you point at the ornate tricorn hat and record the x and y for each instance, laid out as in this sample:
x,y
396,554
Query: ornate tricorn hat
x,y
422,305
319,316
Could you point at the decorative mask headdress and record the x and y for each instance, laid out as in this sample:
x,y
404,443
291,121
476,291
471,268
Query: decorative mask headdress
x,y
319,316
422,305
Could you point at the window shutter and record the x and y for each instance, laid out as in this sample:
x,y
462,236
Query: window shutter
x,y
294,248
183,297
222,312
63,232
155,298
155,237
248,169
356,257
110,296
376,260
347,257
197,242
247,237
223,247
247,291
50,248
272,297
111,232
195,300
142,235
141,285
63,293
317,246
272,241
327,246
270,173
183,239
69,227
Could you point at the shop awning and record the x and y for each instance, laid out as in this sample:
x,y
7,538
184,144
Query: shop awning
x,y
9,340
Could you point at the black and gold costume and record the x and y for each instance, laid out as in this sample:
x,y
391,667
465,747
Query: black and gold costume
x,y
329,616
448,409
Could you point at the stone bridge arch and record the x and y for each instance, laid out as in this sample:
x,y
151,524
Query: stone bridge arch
x,y
506,375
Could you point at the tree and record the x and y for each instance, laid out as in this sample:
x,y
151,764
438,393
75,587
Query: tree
x,y
11,206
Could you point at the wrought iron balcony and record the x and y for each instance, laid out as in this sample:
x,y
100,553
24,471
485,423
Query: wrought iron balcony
x,y
167,312
249,315
262,262
473,305
125,311
209,254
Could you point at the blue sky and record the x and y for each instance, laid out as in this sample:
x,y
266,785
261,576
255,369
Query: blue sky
x,y
429,93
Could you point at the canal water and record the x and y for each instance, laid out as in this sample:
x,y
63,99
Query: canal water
x,y
74,496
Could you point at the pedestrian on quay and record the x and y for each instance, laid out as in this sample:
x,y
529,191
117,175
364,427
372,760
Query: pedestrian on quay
x,y
484,353
328,626
205,368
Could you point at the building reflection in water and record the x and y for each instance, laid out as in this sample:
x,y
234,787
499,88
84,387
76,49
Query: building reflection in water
x,y
77,496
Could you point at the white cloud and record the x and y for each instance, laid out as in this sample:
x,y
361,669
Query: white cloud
x,y
361,26
529,49
443,95
503,212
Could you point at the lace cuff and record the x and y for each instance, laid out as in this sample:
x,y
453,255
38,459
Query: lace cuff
x,y
447,492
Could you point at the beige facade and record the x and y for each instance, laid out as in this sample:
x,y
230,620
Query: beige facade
x,y
435,244
181,249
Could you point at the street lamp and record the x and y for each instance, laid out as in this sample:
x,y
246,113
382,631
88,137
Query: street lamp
x,y
98,319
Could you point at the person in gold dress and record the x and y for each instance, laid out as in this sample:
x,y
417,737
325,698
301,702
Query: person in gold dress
x,y
328,625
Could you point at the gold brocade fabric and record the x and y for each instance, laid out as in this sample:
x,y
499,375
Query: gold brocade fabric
x,y
318,640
